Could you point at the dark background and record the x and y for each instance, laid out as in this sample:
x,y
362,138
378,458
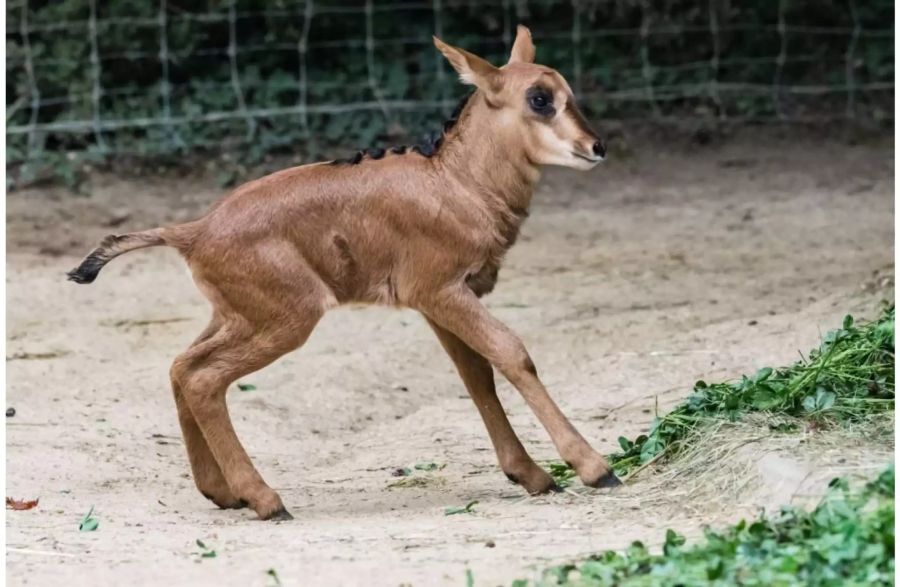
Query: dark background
x,y
96,81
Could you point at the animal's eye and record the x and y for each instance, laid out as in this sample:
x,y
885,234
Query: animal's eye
x,y
540,101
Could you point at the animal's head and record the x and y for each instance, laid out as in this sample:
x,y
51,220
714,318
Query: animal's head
x,y
535,99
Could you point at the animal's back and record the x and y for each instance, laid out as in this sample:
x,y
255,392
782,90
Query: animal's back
x,y
361,228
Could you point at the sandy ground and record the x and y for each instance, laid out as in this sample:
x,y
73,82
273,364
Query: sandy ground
x,y
628,284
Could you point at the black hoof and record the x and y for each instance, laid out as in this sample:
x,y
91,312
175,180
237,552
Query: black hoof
x,y
281,515
608,480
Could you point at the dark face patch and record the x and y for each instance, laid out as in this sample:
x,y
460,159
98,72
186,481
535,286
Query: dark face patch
x,y
575,114
540,101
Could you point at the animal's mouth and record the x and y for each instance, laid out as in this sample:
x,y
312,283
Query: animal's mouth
x,y
594,159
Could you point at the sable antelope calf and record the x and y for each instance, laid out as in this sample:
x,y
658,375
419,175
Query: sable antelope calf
x,y
424,229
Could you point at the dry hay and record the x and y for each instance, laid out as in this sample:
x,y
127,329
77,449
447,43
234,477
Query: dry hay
x,y
733,470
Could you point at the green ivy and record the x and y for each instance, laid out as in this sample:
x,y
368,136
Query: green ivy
x,y
849,377
406,67
847,540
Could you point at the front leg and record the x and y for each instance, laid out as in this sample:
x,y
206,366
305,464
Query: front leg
x,y
457,310
478,377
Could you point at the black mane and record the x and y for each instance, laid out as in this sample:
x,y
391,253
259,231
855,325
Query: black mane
x,y
430,144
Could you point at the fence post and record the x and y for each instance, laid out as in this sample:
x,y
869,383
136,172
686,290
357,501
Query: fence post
x,y
302,48
370,62
576,49
32,81
780,60
850,57
714,60
235,76
646,67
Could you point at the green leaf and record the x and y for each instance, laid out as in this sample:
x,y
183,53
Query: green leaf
x,y
762,374
651,447
673,541
427,466
274,574
809,403
562,473
88,523
822,400
825,399
246,386
207,552
467,509
732,401
625,443
470,578
848,322
764,399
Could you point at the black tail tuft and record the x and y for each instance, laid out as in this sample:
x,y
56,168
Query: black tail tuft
x,y
111,247
89,268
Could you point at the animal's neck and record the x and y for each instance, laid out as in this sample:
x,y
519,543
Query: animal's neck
x,y
489,158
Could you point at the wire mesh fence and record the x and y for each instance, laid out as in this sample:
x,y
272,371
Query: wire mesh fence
x,y
167,77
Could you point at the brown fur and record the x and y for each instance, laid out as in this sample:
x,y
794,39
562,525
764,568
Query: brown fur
x,y
402,229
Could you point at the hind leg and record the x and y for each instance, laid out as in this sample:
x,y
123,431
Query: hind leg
x,y
207,474
205,371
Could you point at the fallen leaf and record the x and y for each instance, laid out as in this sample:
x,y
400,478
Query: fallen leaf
x,y
207,552
410,482
88,524
20,504
128,324
427,466
26,356
467,509
274,574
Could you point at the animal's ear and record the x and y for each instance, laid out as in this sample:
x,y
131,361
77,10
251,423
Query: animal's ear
x,y
472,69
523,48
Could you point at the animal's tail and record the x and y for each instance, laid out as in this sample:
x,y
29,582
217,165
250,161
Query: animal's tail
x,y
114,245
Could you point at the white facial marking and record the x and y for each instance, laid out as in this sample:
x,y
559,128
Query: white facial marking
x,y
554,150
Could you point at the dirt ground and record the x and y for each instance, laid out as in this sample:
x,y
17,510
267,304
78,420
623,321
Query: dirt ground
x,y
666,265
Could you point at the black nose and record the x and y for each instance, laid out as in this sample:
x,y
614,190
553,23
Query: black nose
x,y
599,149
